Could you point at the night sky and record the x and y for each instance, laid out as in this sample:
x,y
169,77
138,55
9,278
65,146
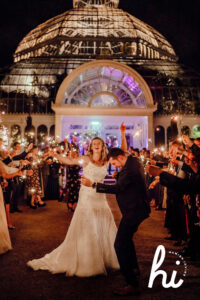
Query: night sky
x,y
177,20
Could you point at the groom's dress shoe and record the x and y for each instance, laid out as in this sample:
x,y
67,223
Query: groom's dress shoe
x,y
127,291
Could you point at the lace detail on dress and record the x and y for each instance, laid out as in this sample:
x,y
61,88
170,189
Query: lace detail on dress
x,y
95,173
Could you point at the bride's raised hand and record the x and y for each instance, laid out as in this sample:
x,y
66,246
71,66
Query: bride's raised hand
x,y
122,127
74,139
123,137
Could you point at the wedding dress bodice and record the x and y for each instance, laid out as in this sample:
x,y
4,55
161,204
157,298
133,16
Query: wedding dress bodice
x,y
87,195
95,173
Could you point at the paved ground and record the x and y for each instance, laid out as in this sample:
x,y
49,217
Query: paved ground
x,y
39,231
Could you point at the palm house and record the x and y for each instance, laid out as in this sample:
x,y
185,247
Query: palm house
x,y
88,69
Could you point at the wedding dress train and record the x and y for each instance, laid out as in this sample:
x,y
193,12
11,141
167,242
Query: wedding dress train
x,y
88,248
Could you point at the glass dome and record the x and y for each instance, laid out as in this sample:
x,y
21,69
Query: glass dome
x,y
98,30
95,29
81,3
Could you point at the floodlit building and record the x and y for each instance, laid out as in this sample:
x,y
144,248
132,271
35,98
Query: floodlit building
x,y
88,69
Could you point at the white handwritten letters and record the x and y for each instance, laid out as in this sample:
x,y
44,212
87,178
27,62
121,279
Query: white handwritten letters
x,y
158,260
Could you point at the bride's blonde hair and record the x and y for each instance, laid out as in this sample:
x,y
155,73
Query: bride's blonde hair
x,y
104,151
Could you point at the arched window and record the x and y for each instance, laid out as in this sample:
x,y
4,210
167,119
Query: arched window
x,y
42,133
185,130
105,86
159,136
196,131
29,134
52,131
174,128
15,133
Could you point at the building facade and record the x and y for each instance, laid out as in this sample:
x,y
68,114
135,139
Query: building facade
x,y
85,71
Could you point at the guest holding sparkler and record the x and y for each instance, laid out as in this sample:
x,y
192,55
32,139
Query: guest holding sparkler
x,y
73,179
33,182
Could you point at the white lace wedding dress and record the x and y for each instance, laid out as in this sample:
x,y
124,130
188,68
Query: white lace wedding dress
x,y
88,248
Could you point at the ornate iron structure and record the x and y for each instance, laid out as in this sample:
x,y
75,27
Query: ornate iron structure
x,y
95,29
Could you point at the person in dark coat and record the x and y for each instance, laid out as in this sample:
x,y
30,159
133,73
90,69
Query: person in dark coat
x,y
53,192
14,185
130,190
184,186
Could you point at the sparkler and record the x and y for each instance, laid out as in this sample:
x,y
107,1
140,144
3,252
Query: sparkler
x,y
32,190
162,149
81,161
142,157
40,153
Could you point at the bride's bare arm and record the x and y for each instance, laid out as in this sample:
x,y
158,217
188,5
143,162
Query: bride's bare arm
x,y
123,137
81,160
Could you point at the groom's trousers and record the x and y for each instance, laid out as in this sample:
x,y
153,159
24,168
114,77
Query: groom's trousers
x,y
125,250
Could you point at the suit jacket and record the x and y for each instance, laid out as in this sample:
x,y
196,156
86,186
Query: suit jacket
x,y
183,186
130,190
21,156
196,151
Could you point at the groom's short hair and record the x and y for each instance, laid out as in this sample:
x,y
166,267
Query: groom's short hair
x,y
115,152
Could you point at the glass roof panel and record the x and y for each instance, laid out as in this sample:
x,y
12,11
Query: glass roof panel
x,y
104,100
81,3
104,21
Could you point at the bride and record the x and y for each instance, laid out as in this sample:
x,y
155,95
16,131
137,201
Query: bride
x,y
88,248
5,243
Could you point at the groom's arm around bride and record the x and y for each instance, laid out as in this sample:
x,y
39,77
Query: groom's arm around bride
x,y
130,188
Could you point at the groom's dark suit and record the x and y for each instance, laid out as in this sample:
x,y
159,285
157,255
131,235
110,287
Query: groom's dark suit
x,y
130,190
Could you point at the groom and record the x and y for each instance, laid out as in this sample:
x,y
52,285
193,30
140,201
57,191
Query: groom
x,y
131,196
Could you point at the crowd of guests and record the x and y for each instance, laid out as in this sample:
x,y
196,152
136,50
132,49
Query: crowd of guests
x,y
176,186
42,177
